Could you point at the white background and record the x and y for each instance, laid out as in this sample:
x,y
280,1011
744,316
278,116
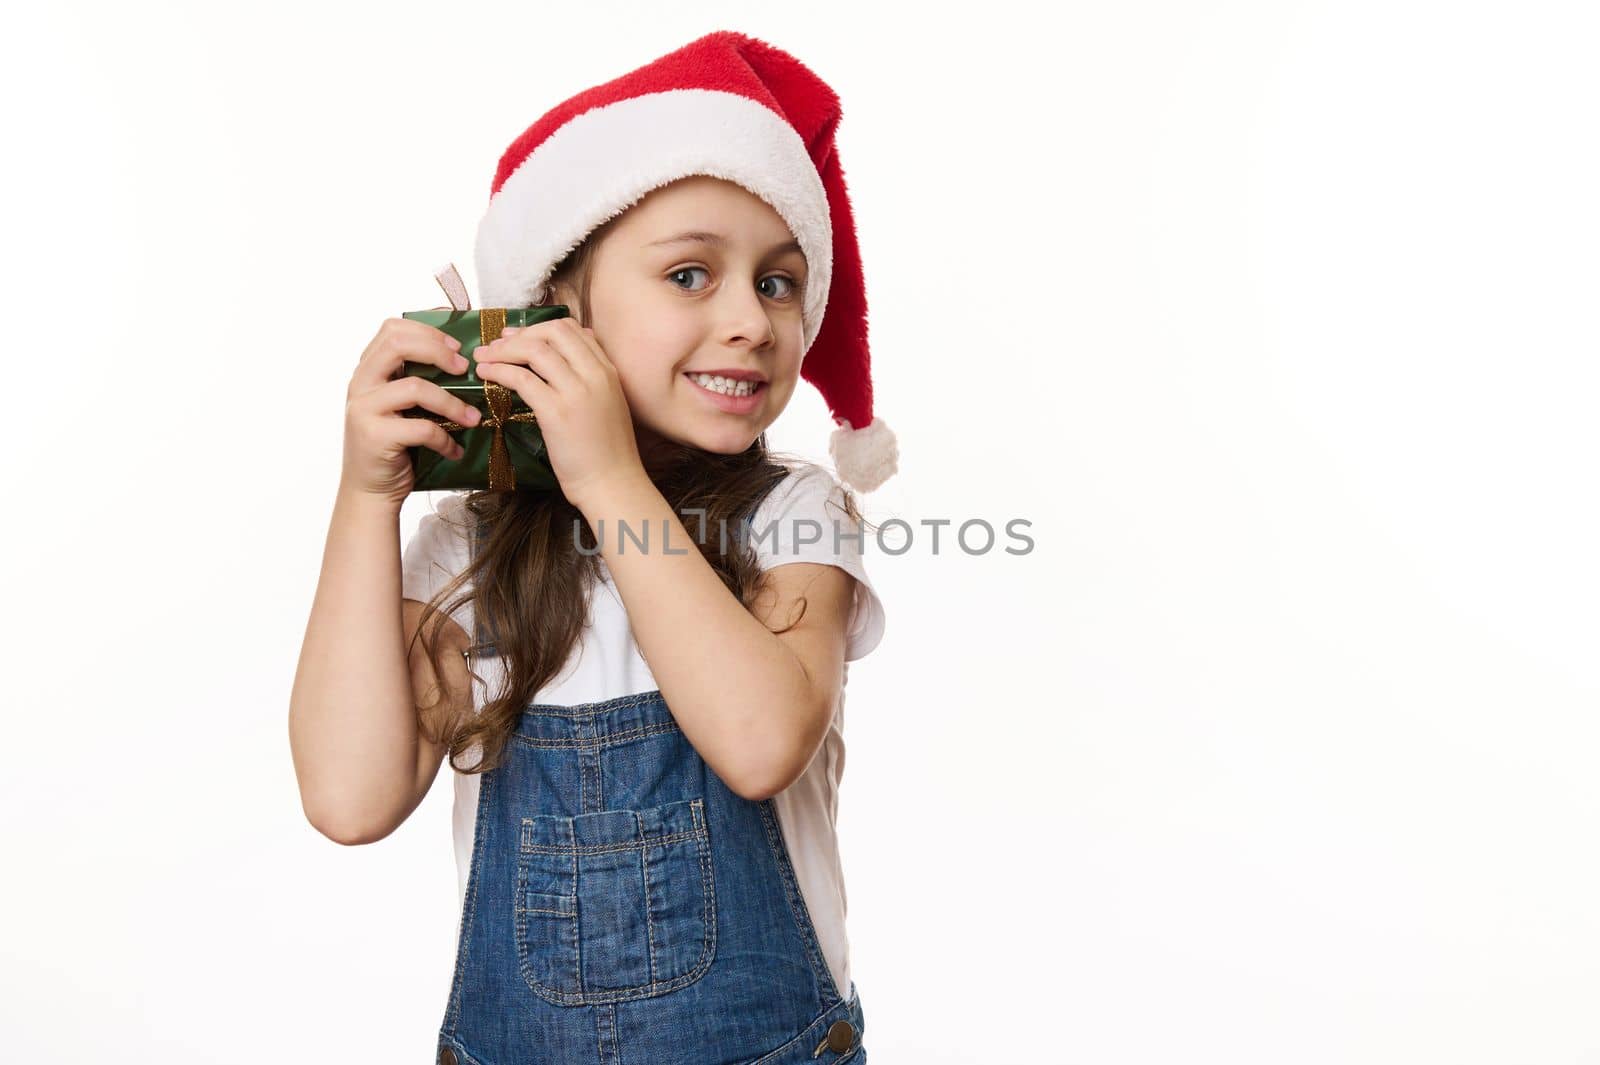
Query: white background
x,y
1275,319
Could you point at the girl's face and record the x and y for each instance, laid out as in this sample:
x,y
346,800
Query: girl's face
x,y
700,276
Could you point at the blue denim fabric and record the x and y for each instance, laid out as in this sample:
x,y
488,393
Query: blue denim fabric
x,y
624,907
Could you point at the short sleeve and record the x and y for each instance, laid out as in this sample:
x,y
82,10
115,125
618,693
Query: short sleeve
x,y
803,520
433,556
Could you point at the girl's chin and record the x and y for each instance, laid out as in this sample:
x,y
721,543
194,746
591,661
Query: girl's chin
x,y
726,442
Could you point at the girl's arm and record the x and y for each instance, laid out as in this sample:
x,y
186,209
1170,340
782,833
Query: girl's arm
x,y
755,705
361,761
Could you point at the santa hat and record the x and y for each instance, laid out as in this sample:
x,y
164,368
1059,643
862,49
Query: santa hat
x,y
728,106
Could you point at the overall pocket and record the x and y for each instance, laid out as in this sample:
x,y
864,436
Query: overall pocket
x,y
615,905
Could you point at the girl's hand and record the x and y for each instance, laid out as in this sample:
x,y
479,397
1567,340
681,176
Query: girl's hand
x,y
570,384
376,435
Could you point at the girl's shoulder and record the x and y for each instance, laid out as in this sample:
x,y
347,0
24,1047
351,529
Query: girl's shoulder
x,y
807,517
447,521
438,549
810,492
807,484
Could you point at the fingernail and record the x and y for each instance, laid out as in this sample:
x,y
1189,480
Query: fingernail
x,y
453,342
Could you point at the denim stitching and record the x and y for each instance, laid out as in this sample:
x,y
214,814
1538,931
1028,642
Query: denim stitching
x,y
599,1038
649,921
604,848
791,891
838,1011
591,758
584,996
453,1015
571,911
590,709
583,785
598,742
708,880
569,927
463,1056
606,1017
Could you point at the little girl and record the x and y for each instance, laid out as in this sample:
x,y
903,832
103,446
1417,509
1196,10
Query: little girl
x,y
637,678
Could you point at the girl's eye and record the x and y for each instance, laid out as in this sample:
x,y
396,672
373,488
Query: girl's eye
x,y
788,293
689,270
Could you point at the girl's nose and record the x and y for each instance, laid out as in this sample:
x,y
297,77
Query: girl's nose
x,y
749,321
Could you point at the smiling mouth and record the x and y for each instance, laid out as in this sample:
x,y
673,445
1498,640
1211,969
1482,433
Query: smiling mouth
x,y
733,390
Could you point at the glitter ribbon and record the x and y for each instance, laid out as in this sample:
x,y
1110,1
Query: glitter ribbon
x,y
502,474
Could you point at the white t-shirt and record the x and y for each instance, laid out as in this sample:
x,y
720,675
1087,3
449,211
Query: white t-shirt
x,y
606,664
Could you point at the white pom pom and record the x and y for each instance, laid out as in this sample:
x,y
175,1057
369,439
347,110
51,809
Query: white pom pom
x,y
864,458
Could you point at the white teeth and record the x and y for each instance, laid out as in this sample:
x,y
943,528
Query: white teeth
x,y
724,385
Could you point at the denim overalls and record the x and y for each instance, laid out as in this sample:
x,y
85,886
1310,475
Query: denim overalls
x,y
624,907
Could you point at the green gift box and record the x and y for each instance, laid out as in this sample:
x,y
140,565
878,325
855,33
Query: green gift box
x,y
505,452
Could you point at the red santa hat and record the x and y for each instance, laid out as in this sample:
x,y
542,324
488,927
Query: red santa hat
x,y
729,106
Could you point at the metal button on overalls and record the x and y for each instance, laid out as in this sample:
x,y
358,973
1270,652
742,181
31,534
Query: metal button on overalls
x,y
622,901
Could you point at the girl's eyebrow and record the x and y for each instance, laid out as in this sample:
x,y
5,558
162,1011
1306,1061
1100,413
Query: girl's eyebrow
x,y
717,240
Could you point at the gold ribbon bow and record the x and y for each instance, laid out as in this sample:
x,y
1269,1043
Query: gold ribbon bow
x,y
502,475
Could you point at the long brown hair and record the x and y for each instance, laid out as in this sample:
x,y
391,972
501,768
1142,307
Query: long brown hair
x,y
531,583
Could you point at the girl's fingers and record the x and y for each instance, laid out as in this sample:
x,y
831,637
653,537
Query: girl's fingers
x,y
578,346
588,338
407,392
537,393
420,432
399,341
573,344
540,356
556,366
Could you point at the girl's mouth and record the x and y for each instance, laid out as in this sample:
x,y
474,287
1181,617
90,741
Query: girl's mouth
x,y
732,404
